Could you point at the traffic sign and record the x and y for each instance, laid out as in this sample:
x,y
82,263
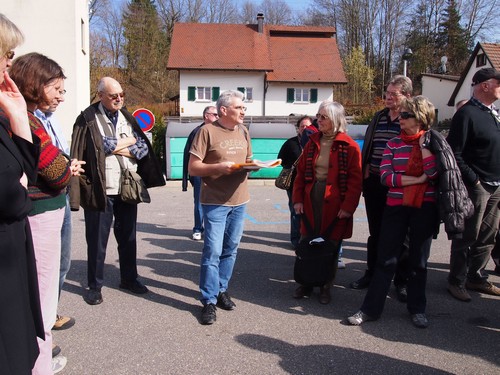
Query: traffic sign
x,y
145,118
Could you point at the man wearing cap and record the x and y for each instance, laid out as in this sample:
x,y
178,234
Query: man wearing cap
x,y
475,139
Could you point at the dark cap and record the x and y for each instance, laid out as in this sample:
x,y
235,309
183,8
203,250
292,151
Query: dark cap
x,y
484,75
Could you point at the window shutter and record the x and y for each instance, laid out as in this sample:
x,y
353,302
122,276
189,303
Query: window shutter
x,y
191,93
241,89
314,95
290,95
215,93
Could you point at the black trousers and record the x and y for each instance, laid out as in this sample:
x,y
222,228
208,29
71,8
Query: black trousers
x,y
375,195
97,228
398,222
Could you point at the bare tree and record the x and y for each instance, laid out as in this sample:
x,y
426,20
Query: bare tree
x,y
480,18
276,12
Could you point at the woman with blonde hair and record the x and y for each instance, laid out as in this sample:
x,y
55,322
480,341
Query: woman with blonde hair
x,y
20,316
408,168
328,185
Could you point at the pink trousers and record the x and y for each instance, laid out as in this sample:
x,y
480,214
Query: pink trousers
x,y
46,232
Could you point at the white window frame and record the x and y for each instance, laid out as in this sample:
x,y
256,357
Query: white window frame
x,y
302,95
206,92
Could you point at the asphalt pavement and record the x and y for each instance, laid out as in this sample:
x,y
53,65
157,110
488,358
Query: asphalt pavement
x,y
269,332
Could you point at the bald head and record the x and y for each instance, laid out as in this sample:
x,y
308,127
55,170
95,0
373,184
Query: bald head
x,y
110,94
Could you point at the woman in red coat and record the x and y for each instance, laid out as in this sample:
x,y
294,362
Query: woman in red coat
x,y
328,183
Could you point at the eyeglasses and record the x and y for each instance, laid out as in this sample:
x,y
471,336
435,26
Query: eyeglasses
x,y
116,96
392,94
319,116
9,55
240,108
406,115
213,114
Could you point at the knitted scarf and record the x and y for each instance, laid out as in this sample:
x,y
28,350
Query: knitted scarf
x,y
413,195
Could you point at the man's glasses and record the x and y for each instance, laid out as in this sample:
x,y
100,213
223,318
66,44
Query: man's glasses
x,y
213,114
116,96
406,115
9,55
392,94
319,116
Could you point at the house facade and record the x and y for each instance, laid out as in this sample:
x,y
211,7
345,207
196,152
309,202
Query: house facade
x,y
278,68
438,87
58,29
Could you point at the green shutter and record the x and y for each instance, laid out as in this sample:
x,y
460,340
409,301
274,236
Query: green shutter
x,y
290,95
215,93
191,93
314,95
241,89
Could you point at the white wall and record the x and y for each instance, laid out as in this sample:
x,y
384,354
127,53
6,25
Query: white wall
x,y
438,91
55,29
276,104
225,81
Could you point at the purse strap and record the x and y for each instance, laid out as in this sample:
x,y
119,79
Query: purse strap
x,y
109,131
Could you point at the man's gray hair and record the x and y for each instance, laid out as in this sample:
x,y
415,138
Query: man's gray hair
x,y
226,99
404,82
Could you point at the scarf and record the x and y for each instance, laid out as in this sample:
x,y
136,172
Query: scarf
x,y
413,195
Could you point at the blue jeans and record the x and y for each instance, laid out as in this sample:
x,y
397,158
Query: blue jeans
x,y
294,221
198,210
224,228
65,245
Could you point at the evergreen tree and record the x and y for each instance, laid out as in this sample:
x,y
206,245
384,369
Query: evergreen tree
x,y
451,40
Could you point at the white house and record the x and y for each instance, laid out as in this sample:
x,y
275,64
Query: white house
x,y
280,69
58,29
438,87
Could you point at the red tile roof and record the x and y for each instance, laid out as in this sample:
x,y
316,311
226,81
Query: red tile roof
x,y
492,50
287,53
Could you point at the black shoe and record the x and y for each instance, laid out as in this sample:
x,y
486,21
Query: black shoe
x,y
302,291
401,293
419,320
55,350
134,286
225,302
362,283
208,314
93,297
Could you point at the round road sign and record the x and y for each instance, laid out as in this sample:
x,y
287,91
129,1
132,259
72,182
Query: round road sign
x,y
145,118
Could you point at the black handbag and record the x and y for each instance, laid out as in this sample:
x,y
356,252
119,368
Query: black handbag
x,y
284,179
316,257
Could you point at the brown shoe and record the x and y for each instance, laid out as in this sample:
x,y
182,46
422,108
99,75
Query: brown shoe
x,y
324,295
302,291
459,292
63,322
484,287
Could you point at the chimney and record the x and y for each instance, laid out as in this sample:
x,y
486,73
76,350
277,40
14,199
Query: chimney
x,y
260,22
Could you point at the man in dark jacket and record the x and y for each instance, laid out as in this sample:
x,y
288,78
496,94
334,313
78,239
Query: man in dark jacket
x,y
209,115
103,133
475,140
383,127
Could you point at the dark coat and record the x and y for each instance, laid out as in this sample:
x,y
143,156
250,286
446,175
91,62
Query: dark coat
x,y
453,199
20,314
89,190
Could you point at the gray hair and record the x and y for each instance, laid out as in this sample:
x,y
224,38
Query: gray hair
x,y
206,109
336,113
226,99
10,35
404,82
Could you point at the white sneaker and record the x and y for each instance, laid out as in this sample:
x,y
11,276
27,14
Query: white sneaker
x,y
58,363
341,264
197,236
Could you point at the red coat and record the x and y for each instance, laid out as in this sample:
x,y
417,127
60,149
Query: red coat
x,y
332,200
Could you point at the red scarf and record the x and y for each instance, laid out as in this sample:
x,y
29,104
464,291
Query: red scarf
x,y
413,195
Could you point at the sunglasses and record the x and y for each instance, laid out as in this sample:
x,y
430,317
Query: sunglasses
x,y
9,55
213,114
116,96
319,116
406,115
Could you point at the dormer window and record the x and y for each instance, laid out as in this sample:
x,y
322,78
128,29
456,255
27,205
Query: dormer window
x,y
481,60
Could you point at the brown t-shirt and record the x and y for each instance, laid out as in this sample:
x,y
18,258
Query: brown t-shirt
x,y
215,144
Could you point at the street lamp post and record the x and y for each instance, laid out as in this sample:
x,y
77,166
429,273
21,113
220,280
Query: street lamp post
x,y
406,56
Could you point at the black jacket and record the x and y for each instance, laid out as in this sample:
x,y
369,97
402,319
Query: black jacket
x,y
89,190
453,199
